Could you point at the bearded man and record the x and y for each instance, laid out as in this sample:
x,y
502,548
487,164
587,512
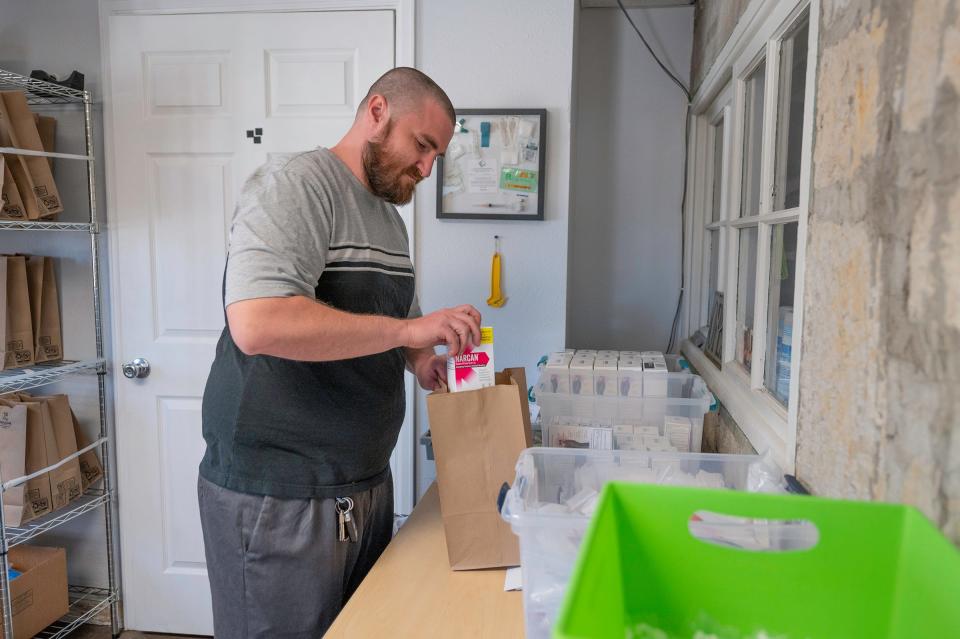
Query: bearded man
x,y
305,399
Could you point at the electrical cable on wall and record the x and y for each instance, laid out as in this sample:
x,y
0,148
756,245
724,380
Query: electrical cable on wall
x,y
674,327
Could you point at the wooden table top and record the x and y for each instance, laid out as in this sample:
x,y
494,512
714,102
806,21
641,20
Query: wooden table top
x,y
411,591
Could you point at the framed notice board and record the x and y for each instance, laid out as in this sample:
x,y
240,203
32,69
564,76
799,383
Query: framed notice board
x,y
494,166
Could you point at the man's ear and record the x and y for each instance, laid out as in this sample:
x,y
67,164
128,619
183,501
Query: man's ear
x,y
378,109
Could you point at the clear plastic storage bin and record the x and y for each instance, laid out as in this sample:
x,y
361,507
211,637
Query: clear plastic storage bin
x,y
683,395
553,496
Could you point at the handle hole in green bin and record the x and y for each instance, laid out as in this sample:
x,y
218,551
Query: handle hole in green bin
x,y
755,535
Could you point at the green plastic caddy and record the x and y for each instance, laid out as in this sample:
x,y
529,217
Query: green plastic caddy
x,y
878,571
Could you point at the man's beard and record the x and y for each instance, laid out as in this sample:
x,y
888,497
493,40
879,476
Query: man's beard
x,y
386,175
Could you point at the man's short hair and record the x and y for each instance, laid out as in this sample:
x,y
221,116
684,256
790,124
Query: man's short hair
x,y
405,89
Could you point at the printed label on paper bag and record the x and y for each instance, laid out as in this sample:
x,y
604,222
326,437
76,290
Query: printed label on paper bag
x,y
474,369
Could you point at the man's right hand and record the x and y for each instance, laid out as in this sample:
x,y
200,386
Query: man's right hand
x,y
456,328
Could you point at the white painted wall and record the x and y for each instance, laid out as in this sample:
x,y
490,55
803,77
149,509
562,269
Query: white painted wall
x,y
500,54
494,54
624,264
59,37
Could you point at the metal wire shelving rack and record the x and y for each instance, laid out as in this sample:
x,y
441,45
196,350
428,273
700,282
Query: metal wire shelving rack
x,y
86,602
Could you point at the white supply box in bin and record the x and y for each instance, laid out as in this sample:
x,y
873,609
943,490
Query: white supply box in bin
x,y
554,494
687,398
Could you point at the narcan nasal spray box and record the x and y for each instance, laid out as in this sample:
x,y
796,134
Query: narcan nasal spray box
x,y
605,377
555,376
581,376
474,369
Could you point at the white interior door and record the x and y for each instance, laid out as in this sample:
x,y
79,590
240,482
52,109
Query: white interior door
x,y
184,90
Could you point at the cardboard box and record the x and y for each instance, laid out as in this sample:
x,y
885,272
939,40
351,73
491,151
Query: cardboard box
x,y
24,134
555,378
630,378
581,376
12,205
18,324
605,377
655,376
586,435
477,438
44,309
474,369
39,594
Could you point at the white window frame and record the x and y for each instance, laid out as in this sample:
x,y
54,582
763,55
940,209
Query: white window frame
x,y
766,422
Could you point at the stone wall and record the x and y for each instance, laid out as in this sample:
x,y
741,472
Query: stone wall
x,y
880,369
714,21
879,413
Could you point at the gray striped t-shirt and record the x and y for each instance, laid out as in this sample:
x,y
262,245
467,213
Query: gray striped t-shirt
x,y
305,225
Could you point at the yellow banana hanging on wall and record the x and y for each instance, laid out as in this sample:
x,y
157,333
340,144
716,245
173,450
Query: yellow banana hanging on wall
x,y
496,298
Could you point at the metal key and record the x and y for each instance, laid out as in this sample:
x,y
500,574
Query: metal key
x,y
350,524
341,530
346,526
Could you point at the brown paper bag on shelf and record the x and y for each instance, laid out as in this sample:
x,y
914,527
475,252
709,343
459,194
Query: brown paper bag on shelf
x,y
12,208
477,437
19,343
66,482
13,455
4,320
41,452
91,470
44,309
47,128
24,133
19,176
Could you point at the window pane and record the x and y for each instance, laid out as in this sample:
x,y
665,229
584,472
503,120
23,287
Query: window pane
x,y
717,170
793,81
783,271
753,118
746,293
714,267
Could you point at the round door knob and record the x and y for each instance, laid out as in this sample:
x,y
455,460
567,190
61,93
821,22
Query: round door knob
x,y
137,369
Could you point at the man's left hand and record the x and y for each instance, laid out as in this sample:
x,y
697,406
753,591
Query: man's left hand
x,y
430,371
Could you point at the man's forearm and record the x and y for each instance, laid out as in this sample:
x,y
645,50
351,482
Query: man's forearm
x,y
299,328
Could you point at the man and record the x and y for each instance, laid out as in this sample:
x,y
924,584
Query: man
x,y
305,398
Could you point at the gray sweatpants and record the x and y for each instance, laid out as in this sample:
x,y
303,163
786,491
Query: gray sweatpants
x,y
277,569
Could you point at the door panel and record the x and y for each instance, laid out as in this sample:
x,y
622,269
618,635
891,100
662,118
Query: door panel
x,y
185,89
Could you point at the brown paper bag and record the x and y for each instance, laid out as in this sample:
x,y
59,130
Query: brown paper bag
x,y
19,176
44,309
24,134
19,326
477,438
12,208
13,455
41,452
47,128
91,470
66,482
